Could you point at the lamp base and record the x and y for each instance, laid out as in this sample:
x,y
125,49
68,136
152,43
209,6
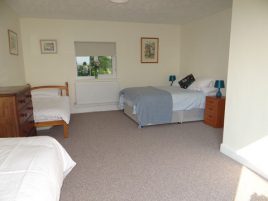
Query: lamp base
x,y
218,94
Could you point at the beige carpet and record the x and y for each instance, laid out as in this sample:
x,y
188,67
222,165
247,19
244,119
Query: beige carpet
x,y
116,161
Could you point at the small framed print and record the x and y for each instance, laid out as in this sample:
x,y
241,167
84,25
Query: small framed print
x,y
13,43
48,46
149,50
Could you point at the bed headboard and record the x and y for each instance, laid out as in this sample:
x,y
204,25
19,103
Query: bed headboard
x,y
61,88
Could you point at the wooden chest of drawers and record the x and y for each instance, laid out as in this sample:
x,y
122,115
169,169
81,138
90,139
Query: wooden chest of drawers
x,y
214,111
16,112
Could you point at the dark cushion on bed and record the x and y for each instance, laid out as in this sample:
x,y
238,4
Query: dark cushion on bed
x,y
187,81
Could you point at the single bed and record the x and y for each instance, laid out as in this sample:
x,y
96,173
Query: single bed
x,y
32,168
186,105
51,106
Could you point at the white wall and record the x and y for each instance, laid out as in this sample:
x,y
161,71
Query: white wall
x,y
205,46
11,66
246,115
57,68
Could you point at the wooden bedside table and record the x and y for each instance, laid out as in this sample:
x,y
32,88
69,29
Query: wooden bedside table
x,y
214,111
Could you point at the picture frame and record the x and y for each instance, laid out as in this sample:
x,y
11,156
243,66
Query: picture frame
x,y
13,42
149,50
48,46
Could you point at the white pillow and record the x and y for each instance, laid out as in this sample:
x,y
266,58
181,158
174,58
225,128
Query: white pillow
x,y
201,83
204,82
45,92
194,87
210,91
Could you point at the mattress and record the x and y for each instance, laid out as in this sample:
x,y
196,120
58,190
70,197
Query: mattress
x,y
32,169
51,108
183,99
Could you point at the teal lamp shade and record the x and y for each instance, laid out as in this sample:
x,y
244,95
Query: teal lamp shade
x,y
172,78
219,84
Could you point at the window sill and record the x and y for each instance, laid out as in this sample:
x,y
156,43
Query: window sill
x,y
93,79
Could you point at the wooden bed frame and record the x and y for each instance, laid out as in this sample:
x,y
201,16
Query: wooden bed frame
x,y
57,122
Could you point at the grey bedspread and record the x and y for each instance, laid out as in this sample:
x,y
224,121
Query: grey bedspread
x,y
153,106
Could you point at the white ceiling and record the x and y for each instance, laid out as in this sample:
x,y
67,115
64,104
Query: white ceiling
x,y
148,11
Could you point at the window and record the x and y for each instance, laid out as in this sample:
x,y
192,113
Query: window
x,y
89,66
95,59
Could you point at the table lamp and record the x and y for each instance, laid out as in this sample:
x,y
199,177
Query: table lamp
x,y
219,84
172,78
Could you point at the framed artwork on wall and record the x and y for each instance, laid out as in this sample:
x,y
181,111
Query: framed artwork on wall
x,y
149,50
13,43
48,46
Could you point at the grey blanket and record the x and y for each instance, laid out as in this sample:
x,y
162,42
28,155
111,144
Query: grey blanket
x,y
153,106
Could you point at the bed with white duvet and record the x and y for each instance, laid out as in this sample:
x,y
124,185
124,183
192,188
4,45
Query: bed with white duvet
x,y
186,104
51,107
32,169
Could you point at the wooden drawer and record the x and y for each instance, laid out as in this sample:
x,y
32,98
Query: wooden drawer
x,y
32,132
211,113
25,112
210,118
211,109
23,99
26,128
211,102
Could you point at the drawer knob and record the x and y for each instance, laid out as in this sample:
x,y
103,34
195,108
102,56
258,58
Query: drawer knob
x,y
22,101
23,115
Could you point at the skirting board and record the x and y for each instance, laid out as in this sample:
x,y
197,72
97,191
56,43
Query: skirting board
x,y
232,154
98,107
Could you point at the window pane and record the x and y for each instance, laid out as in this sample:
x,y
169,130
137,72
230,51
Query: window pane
x,y
105,65
81,60
82,66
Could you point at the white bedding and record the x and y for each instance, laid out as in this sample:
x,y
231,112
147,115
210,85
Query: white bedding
x,y
186,99
51,108
183,99
32,169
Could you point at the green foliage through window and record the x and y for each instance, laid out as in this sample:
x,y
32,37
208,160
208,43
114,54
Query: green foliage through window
x,y
92,65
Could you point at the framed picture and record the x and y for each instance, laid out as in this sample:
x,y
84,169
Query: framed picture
x,y
13,42
48,46
149,50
